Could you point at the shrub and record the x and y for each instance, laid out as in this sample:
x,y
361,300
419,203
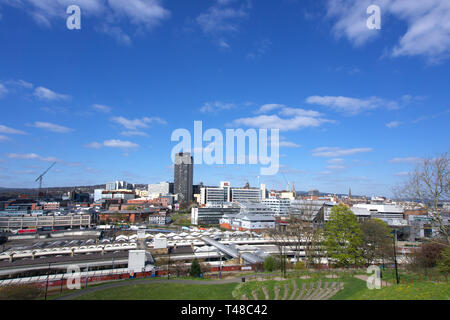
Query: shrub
x,y
20,292
269,264
195,270
300,265
427,256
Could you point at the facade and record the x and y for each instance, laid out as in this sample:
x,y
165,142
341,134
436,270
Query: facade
x,y
161,218
244,194
184,176
210,215
278,206
119,185
42,221
50,205
162,188
243,222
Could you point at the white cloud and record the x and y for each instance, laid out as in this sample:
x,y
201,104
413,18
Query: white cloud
x,y
94,145
427,27
114,143
296,118
134,133
51,127
269,107
275,122
337,152
101,108
222,18
119,144
393,124
336,161
261,48
143,14
135,124
354,106
335,167
3,91
7,130
47,94
406,160
20,83
4,138
31,156
213,107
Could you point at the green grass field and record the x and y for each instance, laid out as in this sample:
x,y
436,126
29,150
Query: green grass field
x,y
422,288
164,291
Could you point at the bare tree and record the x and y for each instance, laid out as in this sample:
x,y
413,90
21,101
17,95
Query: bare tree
x,y
429,184
301,232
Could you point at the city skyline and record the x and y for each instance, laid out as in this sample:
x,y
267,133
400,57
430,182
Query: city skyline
x,y
355,107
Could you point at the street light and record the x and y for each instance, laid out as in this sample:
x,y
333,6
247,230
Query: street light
x,y
46,285
168,264
395,256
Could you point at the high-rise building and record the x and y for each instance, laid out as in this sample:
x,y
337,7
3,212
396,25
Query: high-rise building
x,y
184,176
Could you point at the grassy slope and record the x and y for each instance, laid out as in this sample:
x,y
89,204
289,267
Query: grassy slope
x,y
164,291
416,291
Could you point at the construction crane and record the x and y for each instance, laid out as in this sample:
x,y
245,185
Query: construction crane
x,y
287,182
41,176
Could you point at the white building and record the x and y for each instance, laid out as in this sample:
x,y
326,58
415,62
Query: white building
x,y
278,206
247,222
243,194
162,188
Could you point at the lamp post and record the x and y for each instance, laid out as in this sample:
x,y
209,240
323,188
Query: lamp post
x,y
168,264
395,257
46,285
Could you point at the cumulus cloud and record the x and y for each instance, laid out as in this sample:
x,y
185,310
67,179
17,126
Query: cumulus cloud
x,y
101,108
47,94
143,14
114,143
134,124
214,107
427,28
51,127
354,106
393,124
31,156
222,18
331,152
287,118
8,130
406,160
134,133
275,122
3,91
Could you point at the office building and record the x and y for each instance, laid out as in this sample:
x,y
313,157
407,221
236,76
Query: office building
x,y
278,206
183,176
245,194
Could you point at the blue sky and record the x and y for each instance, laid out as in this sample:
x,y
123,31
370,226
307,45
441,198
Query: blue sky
x,y
356,107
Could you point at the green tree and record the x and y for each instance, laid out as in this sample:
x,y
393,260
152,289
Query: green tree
x,y
377,241
343,237
269,264
195,270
